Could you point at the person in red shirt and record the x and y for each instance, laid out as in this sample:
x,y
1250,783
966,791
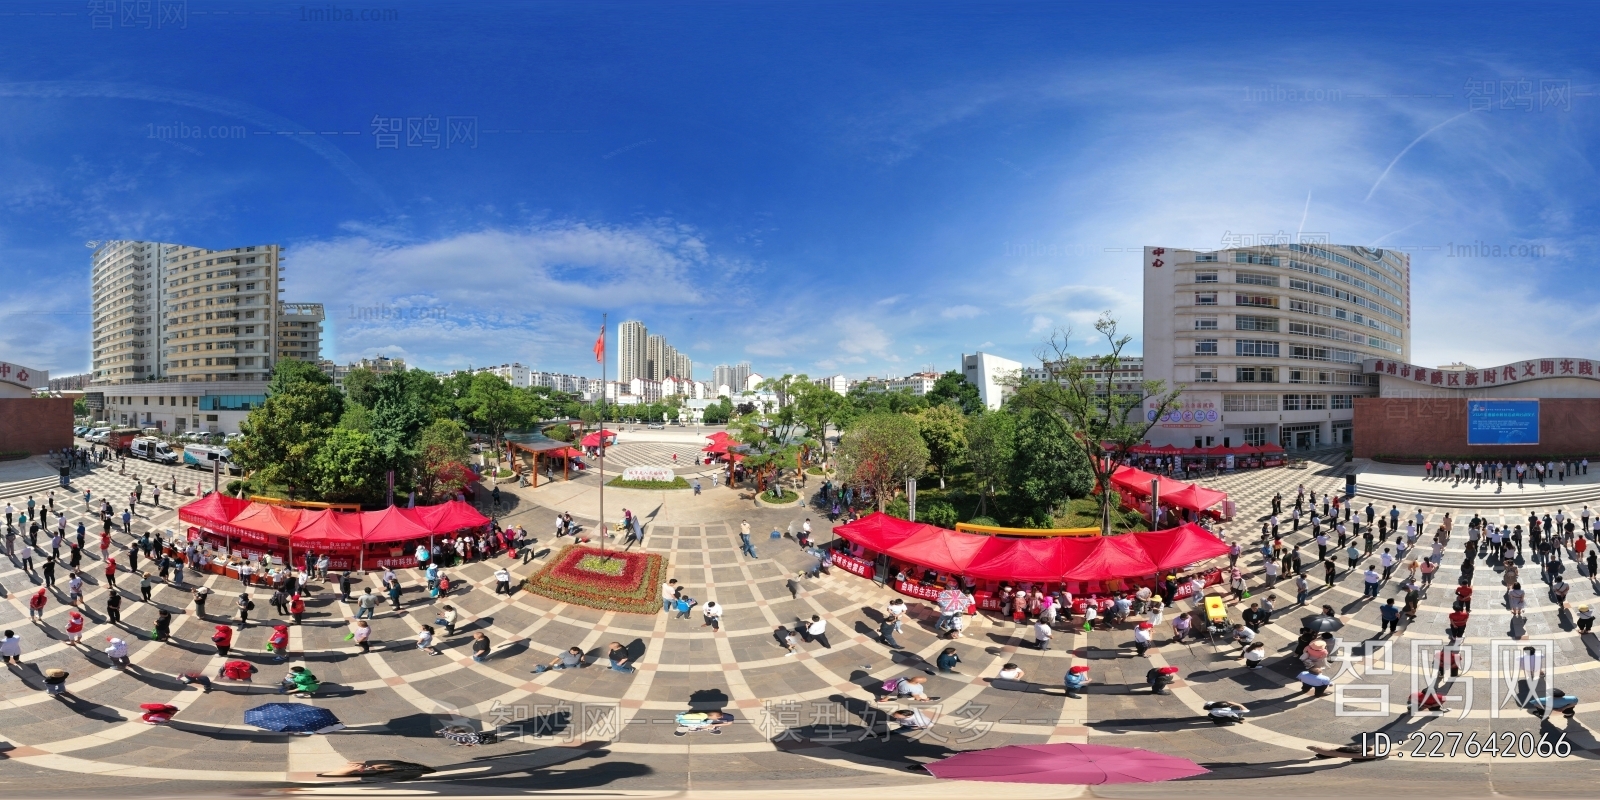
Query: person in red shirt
x,y
111,573
74,628
223,639
36,605
297,607
1458,623
1464,597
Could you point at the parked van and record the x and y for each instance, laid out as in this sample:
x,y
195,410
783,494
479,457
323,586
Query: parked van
x,y
97,435
152,450
200,456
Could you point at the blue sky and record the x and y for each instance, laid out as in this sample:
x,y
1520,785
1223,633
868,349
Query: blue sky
x,y
865,188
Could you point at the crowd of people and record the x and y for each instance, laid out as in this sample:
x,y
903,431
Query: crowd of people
x,y
1497,472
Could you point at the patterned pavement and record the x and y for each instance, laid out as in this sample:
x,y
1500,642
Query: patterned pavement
x,y
804,722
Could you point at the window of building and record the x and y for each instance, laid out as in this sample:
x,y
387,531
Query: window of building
x,y
1249,402
1342,401
1255,348
1255,374
1205,298
1315,402
1255,436
1241,257
1255,279
1205,277
1291,402
1205,375
1245,323
1205,323
1255,301
1205,257
1205,347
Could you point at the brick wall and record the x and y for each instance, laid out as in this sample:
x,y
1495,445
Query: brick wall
x,y
35,424
1427,427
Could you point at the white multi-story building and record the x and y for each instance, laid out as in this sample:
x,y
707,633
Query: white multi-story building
x,y
992,375
1126,376
837,383
189,314
518,376
178,406
917,383
1267,341
561,382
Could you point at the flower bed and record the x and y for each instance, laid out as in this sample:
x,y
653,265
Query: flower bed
x,y
676,483
610,580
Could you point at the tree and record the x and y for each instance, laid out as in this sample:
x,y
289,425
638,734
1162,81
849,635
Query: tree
x,y
718,413
282,436
403,404
442,449
818,407
361,385
991,444
348,468
80,408
492,406
1105,422
952,387
356,417
944,431
879,451
1048,467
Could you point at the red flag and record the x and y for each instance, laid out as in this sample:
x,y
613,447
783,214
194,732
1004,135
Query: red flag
x,y
600,346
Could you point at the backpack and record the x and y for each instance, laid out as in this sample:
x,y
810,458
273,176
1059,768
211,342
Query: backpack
x,y
249,605
891,686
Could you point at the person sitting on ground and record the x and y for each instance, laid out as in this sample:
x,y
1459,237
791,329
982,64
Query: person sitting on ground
x,y
1224,712
948,659
572,658
693,721
1429,700
300,682
911,719
1012,672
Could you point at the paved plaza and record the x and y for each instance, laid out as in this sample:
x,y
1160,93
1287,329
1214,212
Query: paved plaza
x,y
806,722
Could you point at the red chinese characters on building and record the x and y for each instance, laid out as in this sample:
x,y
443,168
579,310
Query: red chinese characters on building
x,y
1566,366
1377,366
1437,378
1405,371
1472,378
1421,375
1547,367
1158,252
1393,367
1488,376
1454,379
1511,372
1585,368
1527,369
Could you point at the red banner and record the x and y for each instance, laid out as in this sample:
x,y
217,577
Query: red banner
x,y
854,566
917,590
403,562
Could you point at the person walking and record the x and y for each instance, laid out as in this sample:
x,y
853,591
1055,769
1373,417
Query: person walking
x,y
713,615
366,604
1390,616
362,636
817,630
481,645
223,639
502,581
114,607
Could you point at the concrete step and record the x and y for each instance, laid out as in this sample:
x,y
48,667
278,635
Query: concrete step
x,y
1588,494
36,487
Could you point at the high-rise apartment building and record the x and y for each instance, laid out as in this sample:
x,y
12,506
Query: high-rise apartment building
x,y
1278,356
652,358
300,331
734,377
180,313
632,353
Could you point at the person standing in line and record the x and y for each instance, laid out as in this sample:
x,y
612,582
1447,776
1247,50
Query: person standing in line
x,y
10,649
246,605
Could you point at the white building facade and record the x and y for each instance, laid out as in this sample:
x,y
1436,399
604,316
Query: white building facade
x,y
1267,341
990,373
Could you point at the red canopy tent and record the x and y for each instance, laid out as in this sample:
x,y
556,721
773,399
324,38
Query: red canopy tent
x,y
719,436
940,548
1193,497
877,531
1112,557
212,510
328,530
268,520
446,517
1027,559
1181,546
716,447
391,525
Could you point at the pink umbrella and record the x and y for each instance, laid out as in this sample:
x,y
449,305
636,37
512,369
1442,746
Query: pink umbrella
x,y
1064,763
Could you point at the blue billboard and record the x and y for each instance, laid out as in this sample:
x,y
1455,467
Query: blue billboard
x,y
1502,422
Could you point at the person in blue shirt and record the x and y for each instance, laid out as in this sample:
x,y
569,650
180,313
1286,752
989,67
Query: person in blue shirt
x,y
948,659
1391,617
1077,678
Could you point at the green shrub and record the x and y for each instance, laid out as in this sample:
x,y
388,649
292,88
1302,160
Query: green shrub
x,y
937,513
898,507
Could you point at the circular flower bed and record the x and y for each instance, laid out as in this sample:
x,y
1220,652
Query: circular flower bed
x,y
610,580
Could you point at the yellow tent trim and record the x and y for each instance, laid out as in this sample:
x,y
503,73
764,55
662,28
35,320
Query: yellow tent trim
x,y
994,530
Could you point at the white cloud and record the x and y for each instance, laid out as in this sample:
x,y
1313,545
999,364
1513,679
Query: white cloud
x,y
962,311
1041,324
890,300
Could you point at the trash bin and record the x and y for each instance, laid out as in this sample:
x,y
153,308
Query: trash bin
x,y
66,477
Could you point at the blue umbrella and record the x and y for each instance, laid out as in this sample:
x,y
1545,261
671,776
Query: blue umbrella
x,y
293,718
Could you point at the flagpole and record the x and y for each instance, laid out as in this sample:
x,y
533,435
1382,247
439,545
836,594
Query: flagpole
x,y
604,323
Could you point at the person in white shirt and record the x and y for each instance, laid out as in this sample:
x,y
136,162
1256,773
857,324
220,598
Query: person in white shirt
x,y
1012,672
911,719
1141,637
817,629
669,591
1042,634
895,612
713,615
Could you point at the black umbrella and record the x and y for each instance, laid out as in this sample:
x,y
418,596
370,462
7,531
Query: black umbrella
x,y
1321,623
